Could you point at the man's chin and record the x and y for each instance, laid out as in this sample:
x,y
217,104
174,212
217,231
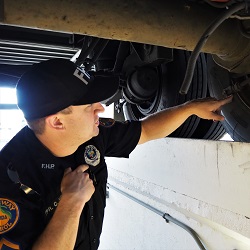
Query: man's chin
x,y
96,132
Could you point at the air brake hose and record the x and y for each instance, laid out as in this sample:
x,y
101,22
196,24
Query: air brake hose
x,y
195,54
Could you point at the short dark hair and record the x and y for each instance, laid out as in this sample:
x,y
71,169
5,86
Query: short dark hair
x,y
38,125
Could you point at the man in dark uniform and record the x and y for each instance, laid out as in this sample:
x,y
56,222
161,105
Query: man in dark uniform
x,y
53,173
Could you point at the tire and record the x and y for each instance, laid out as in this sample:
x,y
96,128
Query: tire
x,y
171,77
237,113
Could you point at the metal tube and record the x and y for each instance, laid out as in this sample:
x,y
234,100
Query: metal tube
x,y
166,216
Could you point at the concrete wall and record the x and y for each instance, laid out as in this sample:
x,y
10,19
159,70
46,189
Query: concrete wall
x,y
204,184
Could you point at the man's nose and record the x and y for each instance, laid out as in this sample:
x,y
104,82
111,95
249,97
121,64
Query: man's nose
x,y
99,107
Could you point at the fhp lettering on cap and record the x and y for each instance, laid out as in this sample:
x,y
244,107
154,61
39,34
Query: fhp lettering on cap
x,y
53,85
80,74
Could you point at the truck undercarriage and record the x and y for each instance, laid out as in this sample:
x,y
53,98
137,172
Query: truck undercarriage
x,y
164,52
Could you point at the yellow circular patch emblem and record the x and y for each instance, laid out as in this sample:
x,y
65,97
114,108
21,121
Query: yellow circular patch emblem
x,y
9,215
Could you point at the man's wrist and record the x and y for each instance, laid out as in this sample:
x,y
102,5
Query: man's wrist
x,y
71,202
189,108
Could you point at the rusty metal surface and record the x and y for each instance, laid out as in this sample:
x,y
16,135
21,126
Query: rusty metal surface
x,y
173,24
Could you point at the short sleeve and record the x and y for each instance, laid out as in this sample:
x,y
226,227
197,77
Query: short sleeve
x,y
120,138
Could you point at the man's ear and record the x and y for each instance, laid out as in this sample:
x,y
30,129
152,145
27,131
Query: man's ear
x,y
53,121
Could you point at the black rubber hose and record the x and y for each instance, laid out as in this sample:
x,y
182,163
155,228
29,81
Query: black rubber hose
x,y
194,55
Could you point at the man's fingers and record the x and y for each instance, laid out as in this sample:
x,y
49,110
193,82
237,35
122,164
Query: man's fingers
x,y
218,117
222,102
67,171
81,168
226,100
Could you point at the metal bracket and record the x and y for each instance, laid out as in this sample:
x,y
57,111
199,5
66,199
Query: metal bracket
x,y
235,88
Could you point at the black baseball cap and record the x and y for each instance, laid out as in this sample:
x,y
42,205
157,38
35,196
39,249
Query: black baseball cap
x,y
53,85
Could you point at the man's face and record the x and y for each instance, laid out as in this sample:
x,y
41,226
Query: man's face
x,y
82,124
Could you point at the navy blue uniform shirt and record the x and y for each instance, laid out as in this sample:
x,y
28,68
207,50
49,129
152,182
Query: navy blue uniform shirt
x,y
30,179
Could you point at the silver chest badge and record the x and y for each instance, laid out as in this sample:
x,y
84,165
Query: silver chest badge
x,y
92,155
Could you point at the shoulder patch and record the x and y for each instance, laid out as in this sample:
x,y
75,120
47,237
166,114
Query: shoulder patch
x,y
106,122
8,245
9,215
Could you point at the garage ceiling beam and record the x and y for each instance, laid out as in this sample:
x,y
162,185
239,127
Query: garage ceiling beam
x,y
174,24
